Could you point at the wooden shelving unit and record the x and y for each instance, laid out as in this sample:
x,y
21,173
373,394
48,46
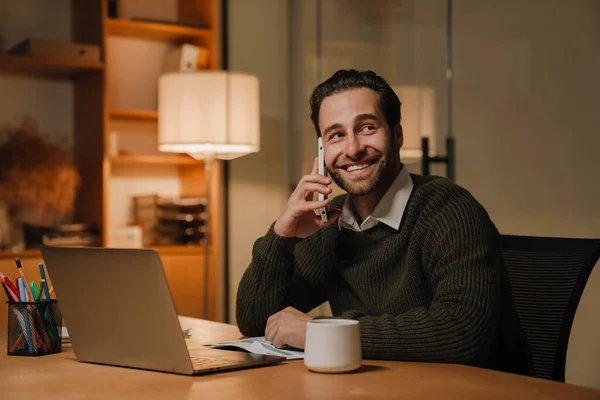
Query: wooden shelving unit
x,y
95,119
44,67
134,115
156,31
10,255
142,159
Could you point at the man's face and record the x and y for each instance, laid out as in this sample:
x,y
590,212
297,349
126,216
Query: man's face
x,y
360,149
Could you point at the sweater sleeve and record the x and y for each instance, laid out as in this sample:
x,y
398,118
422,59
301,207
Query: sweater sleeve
x,y
280,274
461,256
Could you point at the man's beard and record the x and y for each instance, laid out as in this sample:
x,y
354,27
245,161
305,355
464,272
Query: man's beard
x,y
362,185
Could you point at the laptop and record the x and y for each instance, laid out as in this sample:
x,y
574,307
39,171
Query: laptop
x,y
118,310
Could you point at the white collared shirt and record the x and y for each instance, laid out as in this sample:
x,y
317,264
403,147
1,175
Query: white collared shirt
x,y
389,210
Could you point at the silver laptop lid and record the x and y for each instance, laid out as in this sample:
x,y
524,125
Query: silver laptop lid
x,y
118,308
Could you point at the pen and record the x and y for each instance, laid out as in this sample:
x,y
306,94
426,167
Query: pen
x,y
47,294
34,320
21,337
30,316
44,339
26,316
16,285
40,292
28,293
44,282
37,295
8,294
40,332
34,291
28,327
12,290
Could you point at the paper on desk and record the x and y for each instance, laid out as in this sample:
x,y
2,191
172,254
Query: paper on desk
x,y
64,334
258,345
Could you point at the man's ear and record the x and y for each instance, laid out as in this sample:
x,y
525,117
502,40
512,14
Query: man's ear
x,y
399,135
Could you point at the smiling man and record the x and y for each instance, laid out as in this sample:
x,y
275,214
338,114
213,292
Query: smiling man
x,y
416,260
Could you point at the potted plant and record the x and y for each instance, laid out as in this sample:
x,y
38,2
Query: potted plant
x,y
38,183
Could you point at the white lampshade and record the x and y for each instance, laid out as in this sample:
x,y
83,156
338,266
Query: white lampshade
x,y
418,120
212,114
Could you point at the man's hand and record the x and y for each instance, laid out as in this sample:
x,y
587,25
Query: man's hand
x,y
299,218
287,327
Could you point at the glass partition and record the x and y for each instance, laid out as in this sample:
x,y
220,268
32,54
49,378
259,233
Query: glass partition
x,y
404,41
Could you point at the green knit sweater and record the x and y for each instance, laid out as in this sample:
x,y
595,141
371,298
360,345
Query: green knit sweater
x,y
433,291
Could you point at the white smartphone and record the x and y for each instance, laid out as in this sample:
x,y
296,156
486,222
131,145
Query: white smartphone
x,y
322,171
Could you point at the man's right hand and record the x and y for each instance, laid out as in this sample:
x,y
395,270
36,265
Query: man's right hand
x,y
299,218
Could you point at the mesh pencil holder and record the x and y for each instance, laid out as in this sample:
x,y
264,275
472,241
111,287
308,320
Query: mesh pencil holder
x,y
34,328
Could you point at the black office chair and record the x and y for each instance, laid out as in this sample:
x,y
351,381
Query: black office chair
x,y
548,276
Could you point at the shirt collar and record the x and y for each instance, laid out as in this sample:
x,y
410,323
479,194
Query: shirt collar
x,y
389,210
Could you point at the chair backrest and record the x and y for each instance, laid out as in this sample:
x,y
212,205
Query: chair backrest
x,y
547,277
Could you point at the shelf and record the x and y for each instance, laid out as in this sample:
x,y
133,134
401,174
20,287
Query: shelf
x,y
23,254
138,115
136,159
178,250
155,31
46,67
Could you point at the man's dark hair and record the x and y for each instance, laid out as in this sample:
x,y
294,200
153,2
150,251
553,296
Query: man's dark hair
x,y
347,79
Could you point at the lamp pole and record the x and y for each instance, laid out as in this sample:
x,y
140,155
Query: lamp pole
x,y
190,101
208,160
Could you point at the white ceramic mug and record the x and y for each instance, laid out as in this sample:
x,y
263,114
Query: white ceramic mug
x,y
332,345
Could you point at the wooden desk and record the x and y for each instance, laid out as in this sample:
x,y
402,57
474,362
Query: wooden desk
x,y
60,376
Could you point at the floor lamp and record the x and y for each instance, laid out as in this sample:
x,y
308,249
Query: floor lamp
x,y
208,115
